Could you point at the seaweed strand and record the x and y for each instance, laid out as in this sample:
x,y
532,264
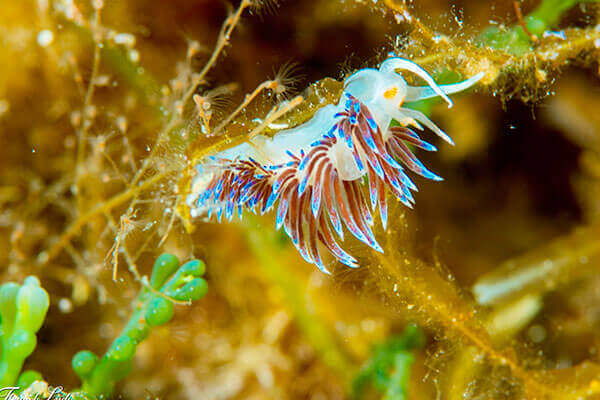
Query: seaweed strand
x,y
440,303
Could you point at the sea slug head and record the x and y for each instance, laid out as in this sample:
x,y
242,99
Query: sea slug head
x,y
384,91
390,69
392,87
381,90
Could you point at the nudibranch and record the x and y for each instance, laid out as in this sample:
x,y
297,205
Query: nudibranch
x,y
312,175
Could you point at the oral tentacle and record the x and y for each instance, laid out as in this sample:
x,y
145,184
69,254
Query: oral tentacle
x,y
425,92
395,63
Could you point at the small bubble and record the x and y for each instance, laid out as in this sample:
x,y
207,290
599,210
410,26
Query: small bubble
x,y
126,39
65,305
122,123
45,38
537,333
42,257
134,56
102,80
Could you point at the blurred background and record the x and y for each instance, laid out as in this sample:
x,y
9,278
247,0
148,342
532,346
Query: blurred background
x,y
507,244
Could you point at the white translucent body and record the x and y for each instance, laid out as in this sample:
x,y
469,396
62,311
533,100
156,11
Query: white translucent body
x,y
382,90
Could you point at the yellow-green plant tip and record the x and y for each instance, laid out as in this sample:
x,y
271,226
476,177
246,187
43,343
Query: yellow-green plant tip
x,y
159,311
122,349
194,290
83,363
31,280
32,305
99,376
21,344
166,264
194,267
27,378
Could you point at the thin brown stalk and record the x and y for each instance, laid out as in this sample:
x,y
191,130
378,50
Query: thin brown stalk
x,y
226,29
48,255
87,103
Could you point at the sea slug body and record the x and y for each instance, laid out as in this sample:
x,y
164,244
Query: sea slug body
x,y
312,174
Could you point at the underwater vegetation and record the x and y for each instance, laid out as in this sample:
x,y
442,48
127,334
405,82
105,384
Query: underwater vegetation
x,y
132,132
388,369
23,309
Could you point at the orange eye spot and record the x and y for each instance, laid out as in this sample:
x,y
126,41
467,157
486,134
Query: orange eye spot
x,y
390,93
